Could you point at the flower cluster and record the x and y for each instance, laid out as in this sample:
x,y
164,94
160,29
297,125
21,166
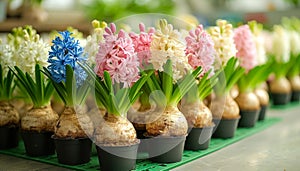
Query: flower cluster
x,y
6,54
116,56
281,44
93,40
30,53
66,51
246,47
167,44
222,35
142,43
200,49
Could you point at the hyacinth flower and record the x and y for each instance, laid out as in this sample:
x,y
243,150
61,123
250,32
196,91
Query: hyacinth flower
x,y
222,35
117,83
142,43
201,53
93,40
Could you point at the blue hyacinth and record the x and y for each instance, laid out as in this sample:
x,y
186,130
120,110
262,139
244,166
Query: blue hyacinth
x,y
66,51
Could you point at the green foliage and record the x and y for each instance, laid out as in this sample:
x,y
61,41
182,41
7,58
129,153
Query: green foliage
x,y
114,99
293,66
255,76
39,90
68,91
7,85
115,9
233,72
173,92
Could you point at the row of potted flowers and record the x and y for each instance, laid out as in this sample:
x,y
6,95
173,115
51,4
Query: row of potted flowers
x,y
157,91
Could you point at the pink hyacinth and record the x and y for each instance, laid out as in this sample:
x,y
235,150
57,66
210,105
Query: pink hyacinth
x,y
200,49
116,55
142,43
246,47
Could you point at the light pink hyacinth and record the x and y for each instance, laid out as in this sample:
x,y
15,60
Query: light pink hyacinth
x,y
142,43
116,55
246,47
200,49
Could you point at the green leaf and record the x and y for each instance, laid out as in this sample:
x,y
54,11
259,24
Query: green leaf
x,y
39,83
167,79
70,81
59,87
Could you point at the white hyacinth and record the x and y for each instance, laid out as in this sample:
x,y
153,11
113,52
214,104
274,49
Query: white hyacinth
x,y
295,42
6,53
281,44
93,40
222,35
167,43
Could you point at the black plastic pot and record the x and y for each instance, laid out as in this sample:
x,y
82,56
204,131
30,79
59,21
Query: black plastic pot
x,y
9,136
38,143
262,112
295,96
248,118
198,138
166,149
73,151
116,158
281,98
225,128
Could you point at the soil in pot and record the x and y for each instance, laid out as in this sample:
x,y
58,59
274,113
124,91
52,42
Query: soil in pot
x,y
73,151
116,158
9,137
166,149
225,128
38,143
198,138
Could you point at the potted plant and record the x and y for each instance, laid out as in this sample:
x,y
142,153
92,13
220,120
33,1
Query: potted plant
x,y
117,85
201,53
261,91
173,78
72,143
248,102
37,125
280,87
9,116
142,108
292,25
223,107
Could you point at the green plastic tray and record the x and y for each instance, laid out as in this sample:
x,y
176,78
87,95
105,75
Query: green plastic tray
x,y
146,165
